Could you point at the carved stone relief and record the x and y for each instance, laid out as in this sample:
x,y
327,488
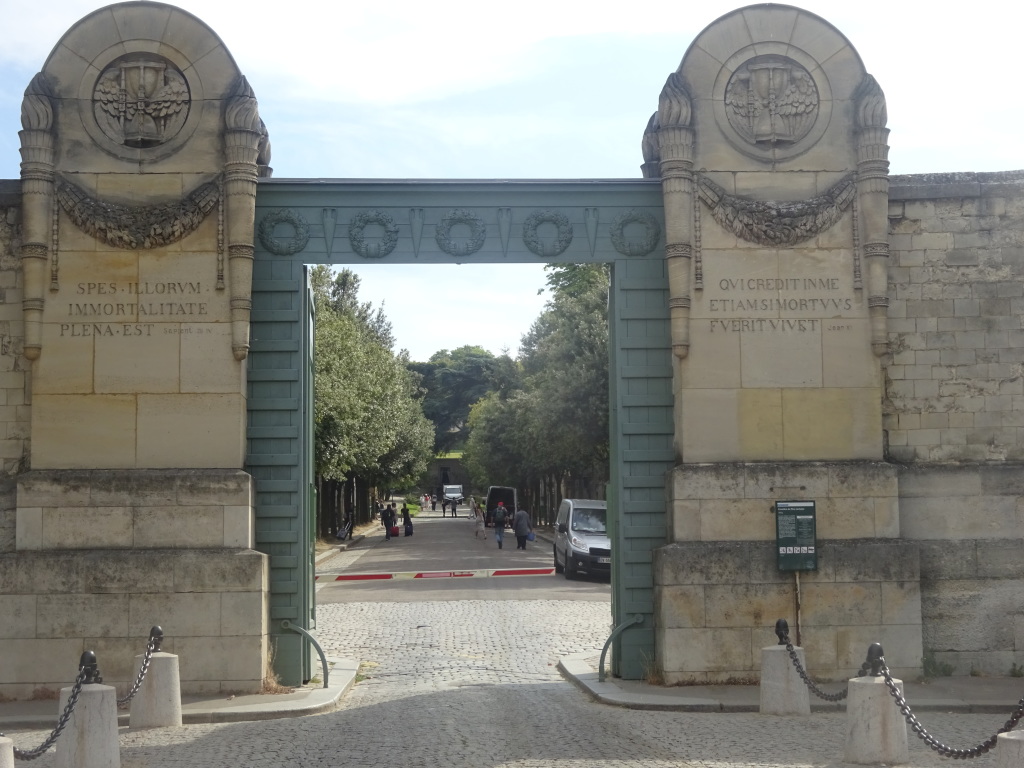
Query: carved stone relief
x,y
277,246
141,100
778,223
771,100
143,226
453,247
640,247
372,250
547,247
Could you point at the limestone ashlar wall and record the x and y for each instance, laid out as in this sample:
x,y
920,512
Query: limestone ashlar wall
x,y
164,547
720,589
954,408
954,387
14,402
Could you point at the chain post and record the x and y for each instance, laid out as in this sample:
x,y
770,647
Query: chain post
x,y
932,742
156,637
65,716
782,630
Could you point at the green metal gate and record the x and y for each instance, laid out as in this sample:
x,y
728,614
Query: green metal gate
x,y
433,222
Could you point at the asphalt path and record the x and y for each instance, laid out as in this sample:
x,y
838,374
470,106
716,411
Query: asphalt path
x,y
444,545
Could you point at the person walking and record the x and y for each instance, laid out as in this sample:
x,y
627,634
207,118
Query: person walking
x,y
454,503
478,513
407,520
387,518
499,522
522,527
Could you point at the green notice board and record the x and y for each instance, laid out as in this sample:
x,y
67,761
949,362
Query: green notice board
x,y
795,524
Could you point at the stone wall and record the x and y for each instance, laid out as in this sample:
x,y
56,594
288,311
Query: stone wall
x,y
954,407
954,388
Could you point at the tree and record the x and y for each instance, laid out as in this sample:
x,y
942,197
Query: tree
x,y
368,423
453,381
551,429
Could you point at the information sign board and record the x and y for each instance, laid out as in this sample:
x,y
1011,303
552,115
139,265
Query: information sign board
x,y
795,534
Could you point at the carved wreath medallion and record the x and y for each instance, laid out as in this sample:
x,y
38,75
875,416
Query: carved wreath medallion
x,y
377,250
545,247
640,247
771,101
141,100
300,230
477,233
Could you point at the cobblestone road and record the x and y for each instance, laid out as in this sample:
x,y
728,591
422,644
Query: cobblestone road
x,y
474,684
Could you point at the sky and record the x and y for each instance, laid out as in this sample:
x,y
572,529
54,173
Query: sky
x,y
537,89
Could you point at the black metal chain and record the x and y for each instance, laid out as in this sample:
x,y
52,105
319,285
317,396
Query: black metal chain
x,y
811,686
782,630
62,721
931,741
153,644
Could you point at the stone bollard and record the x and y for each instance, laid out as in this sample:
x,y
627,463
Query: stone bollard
x,y
6,752
158,702
782,690
90,738
876,732
1010,750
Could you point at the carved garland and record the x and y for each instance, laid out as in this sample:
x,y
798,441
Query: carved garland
x,y
778,223
372,250
542,248
635,247
134,227
477,233
300,228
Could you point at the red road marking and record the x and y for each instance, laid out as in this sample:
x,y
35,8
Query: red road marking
x,y
442,574
524,572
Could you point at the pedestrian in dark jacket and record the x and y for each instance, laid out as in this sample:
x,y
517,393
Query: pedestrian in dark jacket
x,y
521,527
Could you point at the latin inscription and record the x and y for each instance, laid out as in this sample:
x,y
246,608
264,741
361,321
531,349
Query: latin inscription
x,y
100,305
740,296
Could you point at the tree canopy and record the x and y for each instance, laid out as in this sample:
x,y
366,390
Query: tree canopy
x,y
554,423
368,421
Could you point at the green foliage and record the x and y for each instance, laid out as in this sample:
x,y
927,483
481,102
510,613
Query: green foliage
x,y
452,381
555,424
367,420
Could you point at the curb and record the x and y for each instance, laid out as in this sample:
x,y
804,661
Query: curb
x,y
336,548
249,707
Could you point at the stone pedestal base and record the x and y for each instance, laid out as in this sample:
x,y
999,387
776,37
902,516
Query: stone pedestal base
x,y
1010,750
90,738
782,690
876,732
6,753
158,702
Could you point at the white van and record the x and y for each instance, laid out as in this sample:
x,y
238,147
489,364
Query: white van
x,y
581,538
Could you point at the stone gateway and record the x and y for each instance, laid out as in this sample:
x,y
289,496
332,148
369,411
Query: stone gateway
x,y
791,328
